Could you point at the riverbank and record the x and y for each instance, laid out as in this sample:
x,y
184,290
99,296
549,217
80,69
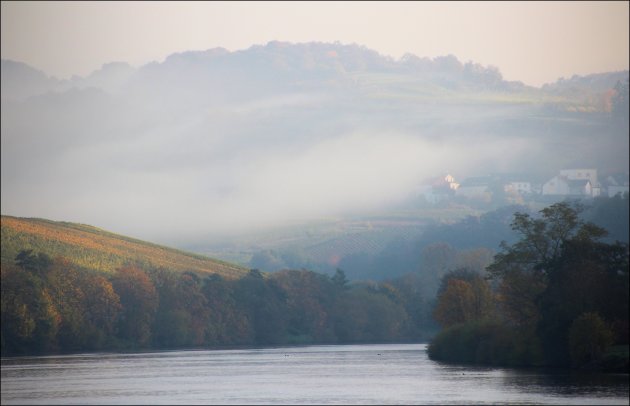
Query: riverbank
x,y
490,343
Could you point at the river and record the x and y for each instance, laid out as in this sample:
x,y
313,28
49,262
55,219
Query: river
x,y
330,374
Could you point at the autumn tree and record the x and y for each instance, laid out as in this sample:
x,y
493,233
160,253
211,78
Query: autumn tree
x,y
102,309
309,298
182,316
139,301
227,321
386,317
589,277
265,305
367,313
463,296
522,269
557,271
67,297
87,305
29,320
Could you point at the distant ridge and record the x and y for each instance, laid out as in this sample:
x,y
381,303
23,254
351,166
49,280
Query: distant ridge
x,y
286,66
100,250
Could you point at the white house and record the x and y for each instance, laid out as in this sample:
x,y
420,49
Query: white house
x,y
580,174
573,182
452,184
438,189
558,185
562,186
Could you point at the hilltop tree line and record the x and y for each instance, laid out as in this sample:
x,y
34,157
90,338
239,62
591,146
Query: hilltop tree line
x,y
557,296
50,305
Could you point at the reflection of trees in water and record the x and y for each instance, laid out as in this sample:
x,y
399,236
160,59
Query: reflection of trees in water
x,y
566,382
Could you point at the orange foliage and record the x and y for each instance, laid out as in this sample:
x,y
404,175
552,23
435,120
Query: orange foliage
x,y
112,245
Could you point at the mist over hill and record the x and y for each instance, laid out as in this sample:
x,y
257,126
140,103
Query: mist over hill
x,y
217,142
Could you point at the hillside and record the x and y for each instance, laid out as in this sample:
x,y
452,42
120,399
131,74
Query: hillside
x,y
319,244
98,249
282,133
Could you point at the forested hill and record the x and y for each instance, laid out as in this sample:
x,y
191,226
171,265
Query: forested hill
x,y
145,296
97,249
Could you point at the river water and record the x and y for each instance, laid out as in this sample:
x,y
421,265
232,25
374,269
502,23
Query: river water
x,y
334,374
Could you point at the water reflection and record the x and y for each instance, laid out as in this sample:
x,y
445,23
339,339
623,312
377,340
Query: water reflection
x,y
567,382
357,374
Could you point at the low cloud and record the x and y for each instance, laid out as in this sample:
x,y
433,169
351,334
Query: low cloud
x,y
167,162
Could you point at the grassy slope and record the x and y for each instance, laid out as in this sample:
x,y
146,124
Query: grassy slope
x,y
94,248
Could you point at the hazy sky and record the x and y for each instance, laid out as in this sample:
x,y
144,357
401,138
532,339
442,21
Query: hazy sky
x,y
534,42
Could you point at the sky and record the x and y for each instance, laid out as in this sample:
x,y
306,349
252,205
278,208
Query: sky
x,y
532,42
